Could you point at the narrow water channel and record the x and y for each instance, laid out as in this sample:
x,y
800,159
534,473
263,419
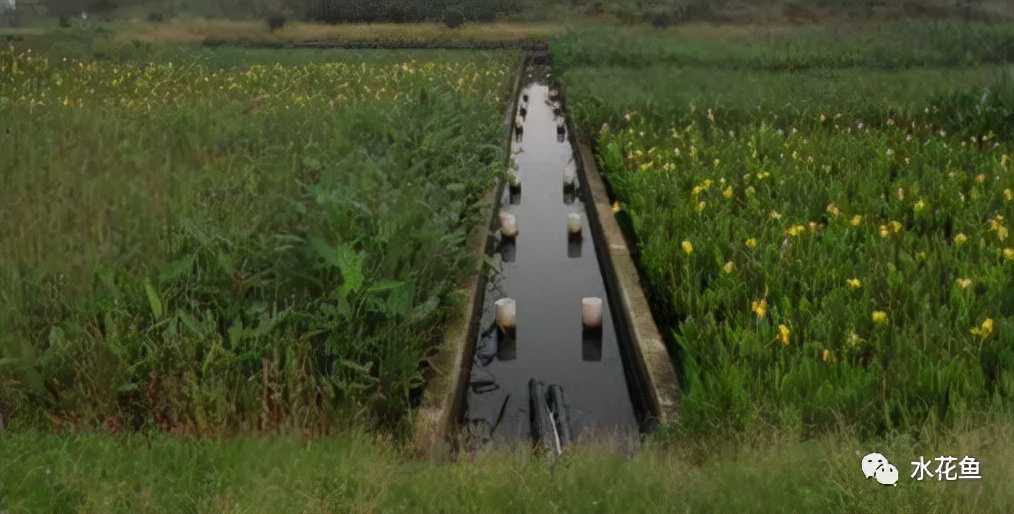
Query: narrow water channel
x,y
547,273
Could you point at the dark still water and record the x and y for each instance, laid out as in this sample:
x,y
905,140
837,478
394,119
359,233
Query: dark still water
x,y
547,273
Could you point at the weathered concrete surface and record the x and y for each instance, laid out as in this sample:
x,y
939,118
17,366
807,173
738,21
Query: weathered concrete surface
x,y
654,364
435,428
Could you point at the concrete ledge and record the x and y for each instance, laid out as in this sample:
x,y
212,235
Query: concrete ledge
x,y
651,365
437,417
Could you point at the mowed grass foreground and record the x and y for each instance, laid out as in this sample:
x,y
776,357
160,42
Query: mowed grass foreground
x,y
823,223
239,246
349,474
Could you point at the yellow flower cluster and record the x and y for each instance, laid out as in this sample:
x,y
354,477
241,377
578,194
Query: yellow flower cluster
x,y
997,226
75,84
828,356
783,334
795,230
891,227
700,188
985,329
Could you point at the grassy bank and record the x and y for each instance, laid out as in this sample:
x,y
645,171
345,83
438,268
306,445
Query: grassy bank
x,y
156,473
235,247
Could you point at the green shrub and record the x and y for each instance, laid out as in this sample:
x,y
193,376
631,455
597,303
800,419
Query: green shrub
x,y
276,21
660,19
454,18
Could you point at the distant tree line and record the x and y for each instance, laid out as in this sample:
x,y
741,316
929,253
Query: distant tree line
x,y
329,11
343,11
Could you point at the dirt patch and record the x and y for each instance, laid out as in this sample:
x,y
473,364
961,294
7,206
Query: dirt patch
x,y
197,30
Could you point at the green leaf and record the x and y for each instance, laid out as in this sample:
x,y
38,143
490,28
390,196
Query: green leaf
x,y
173,270
399,301
325,251
385,286
225,262
153,300
188,321
350,263
311,163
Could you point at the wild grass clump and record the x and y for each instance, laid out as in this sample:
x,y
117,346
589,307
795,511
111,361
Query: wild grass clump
x,y
247,248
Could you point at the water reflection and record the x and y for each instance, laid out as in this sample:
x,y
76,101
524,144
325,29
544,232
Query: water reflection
x,y
508,249
574,245
591,344
515,194
507,348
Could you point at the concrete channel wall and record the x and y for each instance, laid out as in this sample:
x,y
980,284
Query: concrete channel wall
x,y
439,413
649,369
651,379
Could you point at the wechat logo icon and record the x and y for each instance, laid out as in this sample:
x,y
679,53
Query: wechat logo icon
x,y
875,465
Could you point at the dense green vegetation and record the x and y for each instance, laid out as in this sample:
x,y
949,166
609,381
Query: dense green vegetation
x,y
257,246
828,246
259,241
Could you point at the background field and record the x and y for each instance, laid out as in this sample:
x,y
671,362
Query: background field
x,y
174,264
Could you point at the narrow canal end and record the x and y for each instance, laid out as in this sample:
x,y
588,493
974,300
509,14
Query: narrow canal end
x,y
547,273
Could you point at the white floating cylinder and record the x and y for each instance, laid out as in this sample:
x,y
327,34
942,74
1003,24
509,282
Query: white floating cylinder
x,y
591,312
574,223
569,174
506,314
508,224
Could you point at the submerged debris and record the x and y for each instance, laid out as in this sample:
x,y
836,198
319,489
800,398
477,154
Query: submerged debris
x,y
561,416
550,423
482,380
487,348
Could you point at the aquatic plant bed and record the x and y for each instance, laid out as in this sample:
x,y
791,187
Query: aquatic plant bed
x,y
247,245
819,255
